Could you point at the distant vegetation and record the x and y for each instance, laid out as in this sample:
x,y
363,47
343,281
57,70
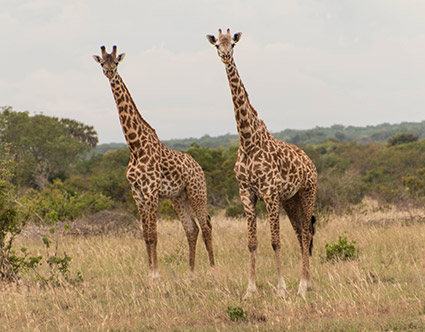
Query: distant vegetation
x,y
379,134
59,160
362,135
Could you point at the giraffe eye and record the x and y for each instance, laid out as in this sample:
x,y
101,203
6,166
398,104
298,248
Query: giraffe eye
x,y
233,45
102,64
216,46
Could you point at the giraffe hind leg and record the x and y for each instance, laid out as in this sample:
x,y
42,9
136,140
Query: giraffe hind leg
x,y
272,204
198,203
300,215
206,227
182,207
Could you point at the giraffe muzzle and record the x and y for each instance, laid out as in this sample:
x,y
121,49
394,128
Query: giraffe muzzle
x,y
226,58
109,73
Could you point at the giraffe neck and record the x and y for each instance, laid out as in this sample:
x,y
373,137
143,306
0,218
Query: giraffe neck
x,y
136,130
246,116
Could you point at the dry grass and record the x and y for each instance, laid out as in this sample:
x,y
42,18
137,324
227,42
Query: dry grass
x,y
382,290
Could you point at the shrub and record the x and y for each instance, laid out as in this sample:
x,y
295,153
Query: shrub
x,y
166,210
56,203
10,223
236,313
235,210
342,250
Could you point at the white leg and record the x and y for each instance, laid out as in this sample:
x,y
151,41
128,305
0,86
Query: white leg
x,y
303,287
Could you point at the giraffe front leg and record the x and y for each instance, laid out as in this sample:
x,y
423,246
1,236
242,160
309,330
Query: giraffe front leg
x,y
272,205
148,208
150,235
249,201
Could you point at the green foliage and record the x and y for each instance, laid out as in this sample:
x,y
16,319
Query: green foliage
x,y
236,313
12,220
363,135
166,210
217,165
402,139
108,176
341,250
58,272
44,147
10,223
56,202
415,183
235,210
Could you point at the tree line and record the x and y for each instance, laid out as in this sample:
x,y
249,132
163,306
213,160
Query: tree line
x,y
318,135
58,174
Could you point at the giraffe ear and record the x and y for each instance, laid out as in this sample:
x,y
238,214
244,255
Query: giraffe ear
x,y
212,39
121,57
237,36
97,58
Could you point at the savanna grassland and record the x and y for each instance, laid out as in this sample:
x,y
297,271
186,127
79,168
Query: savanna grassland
x,y
382,288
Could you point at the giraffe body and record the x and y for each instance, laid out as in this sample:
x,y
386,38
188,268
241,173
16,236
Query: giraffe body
x,y
279,173
155,171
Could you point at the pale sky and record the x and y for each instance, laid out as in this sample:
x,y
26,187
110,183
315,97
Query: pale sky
x,y
304,63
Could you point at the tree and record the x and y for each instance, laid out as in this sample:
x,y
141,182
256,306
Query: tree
x,y
109,176
10,223
217,165
45,147
402,139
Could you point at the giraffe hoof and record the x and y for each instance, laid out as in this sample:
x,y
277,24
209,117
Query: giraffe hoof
x,y
303,287
191,276
155,277
249,293
213,273
281,292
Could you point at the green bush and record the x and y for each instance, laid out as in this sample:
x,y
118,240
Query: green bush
x,y
166,210
236,313
56,203
341,250
235,210
10,223
12,263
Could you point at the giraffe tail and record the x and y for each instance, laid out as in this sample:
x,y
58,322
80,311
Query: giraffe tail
x,y
313,231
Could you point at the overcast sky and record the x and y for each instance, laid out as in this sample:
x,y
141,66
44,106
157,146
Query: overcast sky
x,y
305,63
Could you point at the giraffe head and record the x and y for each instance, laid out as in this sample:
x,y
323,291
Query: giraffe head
x,y
225,44
109,62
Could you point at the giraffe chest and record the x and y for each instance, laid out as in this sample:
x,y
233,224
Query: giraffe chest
x,y
269,174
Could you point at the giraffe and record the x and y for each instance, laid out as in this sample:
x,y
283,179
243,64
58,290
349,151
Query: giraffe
x,y
155,171
279,173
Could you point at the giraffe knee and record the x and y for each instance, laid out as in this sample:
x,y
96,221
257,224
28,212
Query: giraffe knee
x,y
150,239
209,222
252,245
275,246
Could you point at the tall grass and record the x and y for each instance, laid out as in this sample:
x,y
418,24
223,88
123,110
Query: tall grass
x,y
383,289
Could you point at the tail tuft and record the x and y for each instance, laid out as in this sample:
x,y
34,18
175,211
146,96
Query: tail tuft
x,y
313,231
